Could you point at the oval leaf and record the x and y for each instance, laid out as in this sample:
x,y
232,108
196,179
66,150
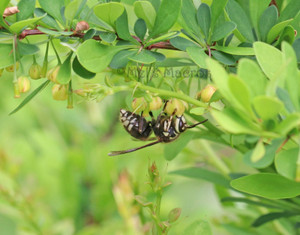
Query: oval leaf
x,y
286,163
81,71
166,16
267,185
267,107
64,73
95,56
145,11
109,12
203,18
198,55
269,58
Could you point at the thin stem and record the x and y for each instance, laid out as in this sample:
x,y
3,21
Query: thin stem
x,y
172,94
57,56
158,45
70,96
45,63
15,58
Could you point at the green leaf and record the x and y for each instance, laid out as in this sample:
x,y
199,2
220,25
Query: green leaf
x,y
240,18
249,202
296,46
231,121
108,37
156,4
273,216
217,8
163,37
220,77
109,12
266,158
235,50
3,5
64,73
89,34
286,163
145,11
292,121
241,92
121,59
203,174
122,28
284,96
290,11
143,57
26,8
140,29
203,18
7,225
158,56
249,71
188,12
291,72
95,56
173,149
182,43
223,30
48,20
269,59
288,35
224,58
256,8
30,97
267,107
53,8
6,55
27,49
54,33
267,21
198,111
71,9
20,25
81,71
276,30
166,16
267,185
198,55
198,227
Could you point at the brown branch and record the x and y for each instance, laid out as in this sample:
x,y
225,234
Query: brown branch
x,y
158,45
283,143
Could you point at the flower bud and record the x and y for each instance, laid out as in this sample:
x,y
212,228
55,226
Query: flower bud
x,y
35,71
24,84
1,72
206,93
139,104
175,104
174,215
60,92
153,171
82,25
11,68
52,74
156,103
10,11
